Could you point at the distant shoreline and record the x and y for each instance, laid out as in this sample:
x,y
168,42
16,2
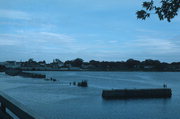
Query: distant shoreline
x,y
99,71
78,64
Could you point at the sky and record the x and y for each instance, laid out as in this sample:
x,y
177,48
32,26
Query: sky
x,y
105,30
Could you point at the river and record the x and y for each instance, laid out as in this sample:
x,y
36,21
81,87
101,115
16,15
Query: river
x,y
59,100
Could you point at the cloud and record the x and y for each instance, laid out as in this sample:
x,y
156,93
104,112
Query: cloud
x,y
113,41
10,23
57,37
155,43
7,42
50,44
14,14
146,30
10,39
155,46
54,43
37,40
157,34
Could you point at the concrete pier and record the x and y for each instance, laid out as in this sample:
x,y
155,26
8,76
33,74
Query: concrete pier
x,y
137,93
31,75
17,72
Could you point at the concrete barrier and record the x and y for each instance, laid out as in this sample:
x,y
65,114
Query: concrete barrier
x,y
137,93
18,72
31,75
16,108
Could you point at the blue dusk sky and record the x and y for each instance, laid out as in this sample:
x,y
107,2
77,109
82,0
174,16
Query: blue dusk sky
x,y
89,29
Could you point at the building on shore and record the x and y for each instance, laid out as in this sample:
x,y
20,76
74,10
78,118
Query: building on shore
x,y
11,64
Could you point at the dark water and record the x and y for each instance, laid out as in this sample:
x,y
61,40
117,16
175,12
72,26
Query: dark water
x,y
59,100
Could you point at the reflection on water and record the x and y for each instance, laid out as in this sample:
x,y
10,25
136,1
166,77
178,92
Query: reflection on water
x,y
55,100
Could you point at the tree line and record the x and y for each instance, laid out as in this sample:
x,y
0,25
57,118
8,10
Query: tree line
x,y
128,65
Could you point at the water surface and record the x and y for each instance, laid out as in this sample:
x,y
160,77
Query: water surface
x,y
59,100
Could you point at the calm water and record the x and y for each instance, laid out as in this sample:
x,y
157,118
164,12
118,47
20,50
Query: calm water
x,y
59,100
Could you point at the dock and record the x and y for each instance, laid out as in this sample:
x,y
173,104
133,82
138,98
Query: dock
x,y
137,93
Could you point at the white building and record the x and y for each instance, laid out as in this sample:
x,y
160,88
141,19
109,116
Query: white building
x,y
12,64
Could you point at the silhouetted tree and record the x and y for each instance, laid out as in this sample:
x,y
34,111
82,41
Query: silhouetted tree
x,y
176,65
2,68
77,62
131,63
67,63
93,62
31,60
44,62
168,9
57,61
151,62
